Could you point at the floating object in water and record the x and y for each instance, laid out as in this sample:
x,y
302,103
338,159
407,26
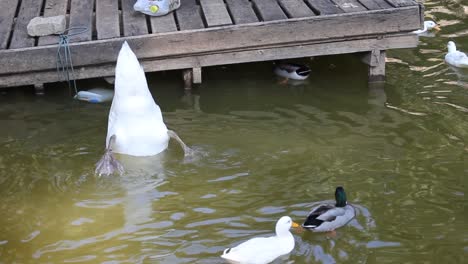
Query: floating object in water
x,y
156,7
328,217
136,125
292,71
455,57
95,95
264,249
428,25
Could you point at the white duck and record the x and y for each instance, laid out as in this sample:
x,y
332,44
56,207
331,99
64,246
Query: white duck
x,y
136,125
454,57
427,25
260,250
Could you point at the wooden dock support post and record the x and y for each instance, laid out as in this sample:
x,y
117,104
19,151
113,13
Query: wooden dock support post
x,y
376,61
191,76
39,89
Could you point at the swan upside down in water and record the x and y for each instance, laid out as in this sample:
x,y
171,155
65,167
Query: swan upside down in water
x,y
135,125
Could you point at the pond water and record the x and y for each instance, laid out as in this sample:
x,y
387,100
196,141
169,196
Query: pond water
x,y
265,150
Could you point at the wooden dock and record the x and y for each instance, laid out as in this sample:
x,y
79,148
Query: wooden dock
x,y
202,33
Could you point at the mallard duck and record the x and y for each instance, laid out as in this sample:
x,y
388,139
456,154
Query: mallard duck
x,y
328,217
260,250
428,25
292,71
135,125
454,57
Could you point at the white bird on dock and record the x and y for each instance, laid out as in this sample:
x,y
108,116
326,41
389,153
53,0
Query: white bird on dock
x,y
454,57
135,125
260,250
427,25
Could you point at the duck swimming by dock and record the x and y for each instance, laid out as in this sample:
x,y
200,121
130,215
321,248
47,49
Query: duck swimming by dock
x,y
135,125
427,26
292,71
455,57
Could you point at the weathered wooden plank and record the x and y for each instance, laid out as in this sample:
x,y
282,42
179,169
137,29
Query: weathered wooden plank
x,y
81,16
189,15
296,8
379,22
269,10
375,4
107,19
242,11
215,13
28,10
7,14
324,7
402,3
53,8
161,24
309,50
350,5
134,23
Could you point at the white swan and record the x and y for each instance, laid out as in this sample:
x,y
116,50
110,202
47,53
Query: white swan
x,y
428,25
262,250
136,125
454,57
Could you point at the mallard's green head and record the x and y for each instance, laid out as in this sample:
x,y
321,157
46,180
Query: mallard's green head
x,y
340,197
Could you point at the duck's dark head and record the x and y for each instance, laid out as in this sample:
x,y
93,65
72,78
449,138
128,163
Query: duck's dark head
x,y
340,197
303,70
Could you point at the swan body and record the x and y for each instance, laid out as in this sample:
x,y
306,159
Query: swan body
x,y
292,71
134,118
261,250
427,25
328,217
135,126
454,57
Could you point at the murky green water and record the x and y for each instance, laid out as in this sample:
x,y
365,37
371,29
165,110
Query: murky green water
x,y
269,150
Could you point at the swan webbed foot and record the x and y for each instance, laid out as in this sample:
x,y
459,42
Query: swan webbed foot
x,y
188,152
108,164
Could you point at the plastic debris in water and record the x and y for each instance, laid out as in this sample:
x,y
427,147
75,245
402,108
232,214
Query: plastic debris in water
x,y
95,95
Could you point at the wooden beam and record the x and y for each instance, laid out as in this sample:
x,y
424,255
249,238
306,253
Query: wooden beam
x,y
350,5
324,7
7,14
189,16
215,13
221,39
375,4
81,16
269,10
162,24
197,61
134,23
107,19
242,11
296,8
29,9
53,8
